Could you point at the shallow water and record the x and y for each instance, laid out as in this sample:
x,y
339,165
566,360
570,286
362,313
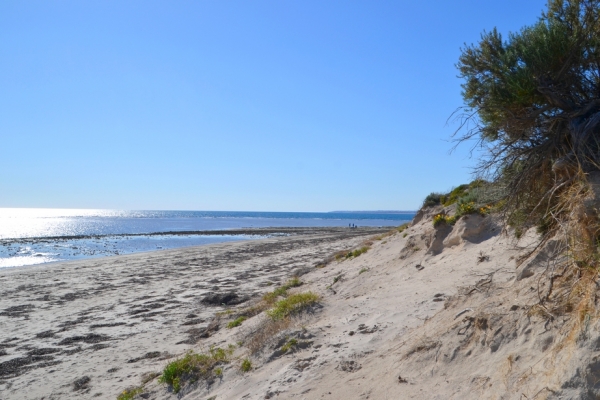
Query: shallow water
x,y
49,235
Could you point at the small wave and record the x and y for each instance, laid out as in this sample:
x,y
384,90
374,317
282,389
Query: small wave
x,y
21,261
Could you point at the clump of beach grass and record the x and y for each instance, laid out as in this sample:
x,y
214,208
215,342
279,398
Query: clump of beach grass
x,y
281,291
236,322
289,345
193,367
278,319
293,304
246,365
129,394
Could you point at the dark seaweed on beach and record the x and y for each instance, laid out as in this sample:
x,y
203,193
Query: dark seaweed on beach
x,y
45,334
17,311
227,299
109,325
43,351
152,354
89,338
17,366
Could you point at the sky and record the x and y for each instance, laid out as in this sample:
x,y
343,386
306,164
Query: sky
x,y
236,105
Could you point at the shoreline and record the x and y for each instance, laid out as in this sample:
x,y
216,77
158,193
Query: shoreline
x,y
113,319
217,232
57,249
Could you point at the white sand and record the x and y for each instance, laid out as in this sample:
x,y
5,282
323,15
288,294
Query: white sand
x,y
438,314
51,316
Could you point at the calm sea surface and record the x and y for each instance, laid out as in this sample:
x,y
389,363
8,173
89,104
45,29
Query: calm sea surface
x,y
36,236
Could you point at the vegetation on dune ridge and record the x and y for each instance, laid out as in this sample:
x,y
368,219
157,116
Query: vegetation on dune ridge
x,y
532,107
532,104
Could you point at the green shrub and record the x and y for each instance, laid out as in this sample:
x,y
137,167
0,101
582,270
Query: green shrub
x,y
292,304
129,394
440,219
433,199
236,322
363,270
289,345
246,365
194,366
357,252
281,291
454,195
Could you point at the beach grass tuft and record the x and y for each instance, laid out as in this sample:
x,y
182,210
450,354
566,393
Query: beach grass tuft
x,y
193,367
289,345
271,297
236,322
246,365
129,394
357,252
293,304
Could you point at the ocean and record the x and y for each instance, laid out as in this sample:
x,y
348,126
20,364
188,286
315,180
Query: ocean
x,y
38,236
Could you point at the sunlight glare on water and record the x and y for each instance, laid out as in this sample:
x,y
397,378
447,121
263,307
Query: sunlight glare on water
x,y
43,222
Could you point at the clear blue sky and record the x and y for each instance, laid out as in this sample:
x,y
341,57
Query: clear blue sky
x,y
235,105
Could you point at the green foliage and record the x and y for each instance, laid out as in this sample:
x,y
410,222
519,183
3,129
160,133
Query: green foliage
x,y
129,394
236,322
432,199
357,252
194,366
293,304
246,365
289,345
454,195
271,297
363,270
532,100
441,219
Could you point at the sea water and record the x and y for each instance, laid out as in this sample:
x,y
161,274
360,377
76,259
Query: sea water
x,y
36,236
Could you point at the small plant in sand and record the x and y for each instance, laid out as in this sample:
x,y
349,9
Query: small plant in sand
x,y
271,297
236,322
225,312
357,252
289,345
363,270
293,304
246,365
194,366
129,394
442,219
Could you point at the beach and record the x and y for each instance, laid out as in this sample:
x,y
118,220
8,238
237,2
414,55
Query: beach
x,y
90,328
423,311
